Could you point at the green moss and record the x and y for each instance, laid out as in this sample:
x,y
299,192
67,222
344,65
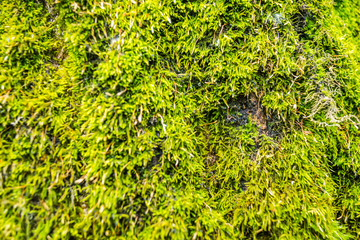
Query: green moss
x,y
179,119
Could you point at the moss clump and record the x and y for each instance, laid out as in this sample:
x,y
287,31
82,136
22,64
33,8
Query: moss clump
x,y
179,119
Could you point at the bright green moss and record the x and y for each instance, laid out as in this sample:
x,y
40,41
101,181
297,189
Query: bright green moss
x,y
179,119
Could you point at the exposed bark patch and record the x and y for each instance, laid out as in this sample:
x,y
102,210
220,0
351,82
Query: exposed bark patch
x,y
242,108
258,114
212,159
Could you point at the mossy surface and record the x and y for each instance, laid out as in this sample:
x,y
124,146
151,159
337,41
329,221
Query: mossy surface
x,y
149,119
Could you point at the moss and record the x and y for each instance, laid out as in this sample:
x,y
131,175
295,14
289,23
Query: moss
x,y
179,119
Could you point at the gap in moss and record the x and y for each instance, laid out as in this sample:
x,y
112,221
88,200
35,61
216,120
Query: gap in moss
x,y
299,21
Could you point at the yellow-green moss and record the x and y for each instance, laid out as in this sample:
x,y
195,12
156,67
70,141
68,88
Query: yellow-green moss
x,y
176,119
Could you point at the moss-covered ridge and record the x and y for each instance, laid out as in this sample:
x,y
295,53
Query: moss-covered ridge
x,y
179,119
